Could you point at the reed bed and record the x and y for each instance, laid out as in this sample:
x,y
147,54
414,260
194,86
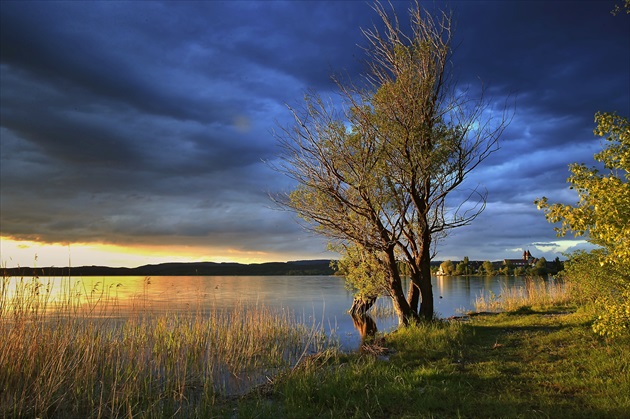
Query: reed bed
x,y
76,355
537,292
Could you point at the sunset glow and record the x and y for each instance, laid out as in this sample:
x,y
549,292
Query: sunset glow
x,y
16,253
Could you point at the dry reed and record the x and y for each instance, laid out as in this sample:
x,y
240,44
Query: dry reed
x,y
536,292
77,356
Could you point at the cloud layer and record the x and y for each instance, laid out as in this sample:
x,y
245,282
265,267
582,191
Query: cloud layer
x,y
144,123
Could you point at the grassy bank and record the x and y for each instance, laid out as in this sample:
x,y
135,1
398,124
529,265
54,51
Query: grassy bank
x,y
533,362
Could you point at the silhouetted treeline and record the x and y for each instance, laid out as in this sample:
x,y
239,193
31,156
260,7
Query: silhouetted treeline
x,y
303,267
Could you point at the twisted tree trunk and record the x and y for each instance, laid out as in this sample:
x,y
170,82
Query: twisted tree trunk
x,y
361,305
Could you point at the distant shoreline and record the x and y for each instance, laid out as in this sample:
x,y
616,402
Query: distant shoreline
x,y
302,267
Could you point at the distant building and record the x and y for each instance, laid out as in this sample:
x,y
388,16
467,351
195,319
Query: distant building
x,y
525,262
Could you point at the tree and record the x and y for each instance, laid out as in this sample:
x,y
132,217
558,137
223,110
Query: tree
x,y
540,268
602,214
506,269
519,271
377,173
365,274
462,267
620,7
447,267
487,268
557,265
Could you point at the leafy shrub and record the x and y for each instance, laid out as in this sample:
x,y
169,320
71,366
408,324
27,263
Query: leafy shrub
x,y
614,318
603,287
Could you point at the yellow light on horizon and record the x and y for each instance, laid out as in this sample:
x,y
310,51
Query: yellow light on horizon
x,y
15,253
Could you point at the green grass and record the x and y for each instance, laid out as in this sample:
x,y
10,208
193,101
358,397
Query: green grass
x,y
531,364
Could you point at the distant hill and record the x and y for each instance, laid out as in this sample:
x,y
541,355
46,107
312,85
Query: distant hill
x,y
301,267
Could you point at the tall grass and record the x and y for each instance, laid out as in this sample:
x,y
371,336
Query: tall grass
x,y
536,292
77,355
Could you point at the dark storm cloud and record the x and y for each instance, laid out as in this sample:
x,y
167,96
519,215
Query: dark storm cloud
x,y
546,52
148,122
561,64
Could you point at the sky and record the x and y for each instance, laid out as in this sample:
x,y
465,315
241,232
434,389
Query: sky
x,y
141,132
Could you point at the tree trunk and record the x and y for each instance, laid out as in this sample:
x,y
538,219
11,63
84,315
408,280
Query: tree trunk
x,y
401,306
424,281
426,306
361,305
413,296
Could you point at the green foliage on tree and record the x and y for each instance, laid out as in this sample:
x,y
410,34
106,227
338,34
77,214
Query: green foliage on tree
x,y
506,269
487,268
620,7
463,267
602,215
603,288
364,272
602,212
447,267
519,271
540,268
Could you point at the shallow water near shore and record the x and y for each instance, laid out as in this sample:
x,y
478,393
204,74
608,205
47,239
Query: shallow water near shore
x,y
320,301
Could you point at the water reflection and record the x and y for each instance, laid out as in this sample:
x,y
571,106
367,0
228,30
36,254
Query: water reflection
x,y
366,326
320,300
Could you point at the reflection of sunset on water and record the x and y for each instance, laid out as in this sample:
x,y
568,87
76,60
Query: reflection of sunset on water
x,y
97,295
100,296
314,299
120,295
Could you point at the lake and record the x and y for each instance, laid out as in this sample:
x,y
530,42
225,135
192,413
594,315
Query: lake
x,y
320,300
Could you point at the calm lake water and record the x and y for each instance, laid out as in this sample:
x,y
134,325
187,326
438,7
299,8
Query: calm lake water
x,y
320,300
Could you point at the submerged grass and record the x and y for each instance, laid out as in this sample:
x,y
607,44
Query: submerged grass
x,y
73,356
